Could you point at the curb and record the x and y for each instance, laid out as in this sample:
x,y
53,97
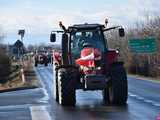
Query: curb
x,y
16,89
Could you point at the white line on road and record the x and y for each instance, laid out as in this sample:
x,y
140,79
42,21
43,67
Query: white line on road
x,y
144,100
39,113
155,104
132,95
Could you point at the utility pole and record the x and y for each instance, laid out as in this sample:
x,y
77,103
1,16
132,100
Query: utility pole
x,y
21,32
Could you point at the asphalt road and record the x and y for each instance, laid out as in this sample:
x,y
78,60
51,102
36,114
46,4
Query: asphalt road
x,y
38,104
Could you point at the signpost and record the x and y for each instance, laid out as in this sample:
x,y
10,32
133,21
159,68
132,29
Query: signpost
x,y
147,45
19,48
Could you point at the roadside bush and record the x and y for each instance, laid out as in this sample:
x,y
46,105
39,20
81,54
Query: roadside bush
x,y
5,66
149,63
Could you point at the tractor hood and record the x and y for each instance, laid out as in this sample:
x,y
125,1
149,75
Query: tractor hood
x,y
88,57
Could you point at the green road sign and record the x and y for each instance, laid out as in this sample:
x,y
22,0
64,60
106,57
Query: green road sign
x,y
147,45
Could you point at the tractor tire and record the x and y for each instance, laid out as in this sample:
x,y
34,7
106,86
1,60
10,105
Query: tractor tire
x,y
55,85
117,90
45,64
66,87
35,64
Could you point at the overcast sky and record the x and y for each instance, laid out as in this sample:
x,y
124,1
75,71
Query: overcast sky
x,y
39,17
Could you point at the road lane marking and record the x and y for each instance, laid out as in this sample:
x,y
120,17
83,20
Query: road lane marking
x,y
46,98
155,104
144,100
149,101
39,113
132,95
140,98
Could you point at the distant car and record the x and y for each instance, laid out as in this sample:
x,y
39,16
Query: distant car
x,y
40,58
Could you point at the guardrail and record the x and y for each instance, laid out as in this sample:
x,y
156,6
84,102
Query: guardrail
x,y
15,72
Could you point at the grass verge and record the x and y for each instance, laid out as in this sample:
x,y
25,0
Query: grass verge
x,y
17,83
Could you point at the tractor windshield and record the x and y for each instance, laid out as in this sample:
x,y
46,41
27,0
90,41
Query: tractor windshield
x,y
81,38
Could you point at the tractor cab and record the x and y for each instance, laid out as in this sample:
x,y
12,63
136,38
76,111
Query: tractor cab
x,y
86,35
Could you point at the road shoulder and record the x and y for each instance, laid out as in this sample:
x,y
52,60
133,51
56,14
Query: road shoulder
x,y
149,79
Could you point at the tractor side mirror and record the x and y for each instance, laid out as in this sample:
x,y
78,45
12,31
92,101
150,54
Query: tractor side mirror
x,y
121,32
53,37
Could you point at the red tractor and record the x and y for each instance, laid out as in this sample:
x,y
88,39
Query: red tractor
x,y
85,62
40,58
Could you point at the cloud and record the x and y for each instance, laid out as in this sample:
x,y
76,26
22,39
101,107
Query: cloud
x,y
39,20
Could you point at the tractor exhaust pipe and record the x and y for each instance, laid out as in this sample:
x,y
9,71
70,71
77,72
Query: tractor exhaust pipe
x,y
62,26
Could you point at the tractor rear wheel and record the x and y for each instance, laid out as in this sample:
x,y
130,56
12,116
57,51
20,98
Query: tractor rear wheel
x,y
117,90
66,86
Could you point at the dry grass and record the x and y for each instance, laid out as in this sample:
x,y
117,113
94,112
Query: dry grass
x,y
15,83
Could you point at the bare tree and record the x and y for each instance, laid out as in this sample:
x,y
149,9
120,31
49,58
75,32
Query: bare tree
x,y
5,64
147,64
1,34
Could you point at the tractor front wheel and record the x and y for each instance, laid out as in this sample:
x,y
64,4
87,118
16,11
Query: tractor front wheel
x,y
66,86
55,84
117,89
